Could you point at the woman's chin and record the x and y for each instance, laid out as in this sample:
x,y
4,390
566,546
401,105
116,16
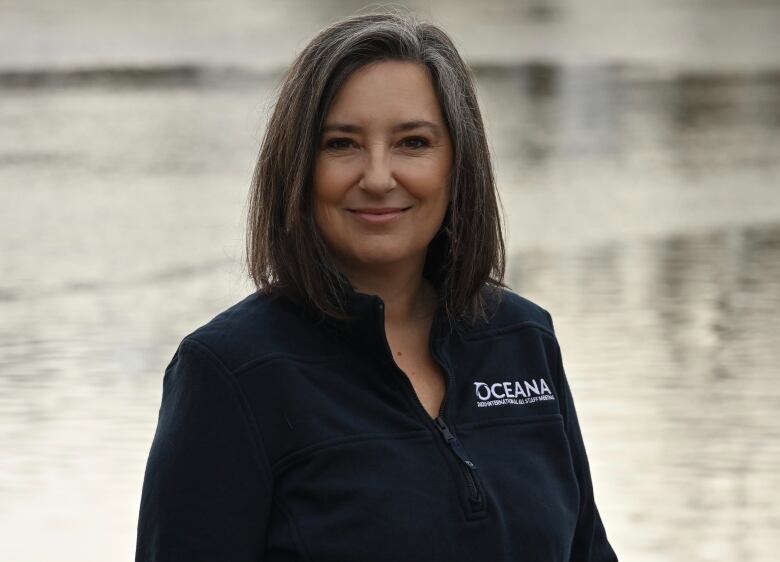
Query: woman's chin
x,y
383,260
380,258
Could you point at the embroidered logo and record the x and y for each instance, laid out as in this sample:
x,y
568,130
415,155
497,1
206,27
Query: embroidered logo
x,y
514,392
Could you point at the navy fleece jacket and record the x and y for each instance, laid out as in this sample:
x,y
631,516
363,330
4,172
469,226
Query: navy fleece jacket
x,y
285,438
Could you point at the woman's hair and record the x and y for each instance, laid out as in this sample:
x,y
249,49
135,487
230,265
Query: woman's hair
x,y
285,249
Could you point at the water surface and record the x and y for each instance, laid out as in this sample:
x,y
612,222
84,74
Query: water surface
x,y
639,175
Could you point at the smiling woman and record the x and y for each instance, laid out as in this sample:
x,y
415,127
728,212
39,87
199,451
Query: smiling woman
x,y
382,395
383,110
382,174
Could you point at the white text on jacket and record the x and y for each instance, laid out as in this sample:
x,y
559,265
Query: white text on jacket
x,y
512,392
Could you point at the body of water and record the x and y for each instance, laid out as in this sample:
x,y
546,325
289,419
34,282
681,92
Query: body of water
x,y
637,149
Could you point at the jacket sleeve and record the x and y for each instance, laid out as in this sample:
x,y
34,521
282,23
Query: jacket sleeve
x,y
207,485
590,542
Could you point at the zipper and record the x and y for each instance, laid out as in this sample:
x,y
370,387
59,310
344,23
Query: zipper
x,y
474,493
466,466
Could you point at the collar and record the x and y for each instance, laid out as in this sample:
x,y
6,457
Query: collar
x,y
367,318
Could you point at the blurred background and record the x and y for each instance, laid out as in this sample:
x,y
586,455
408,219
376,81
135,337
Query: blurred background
x,y
637,149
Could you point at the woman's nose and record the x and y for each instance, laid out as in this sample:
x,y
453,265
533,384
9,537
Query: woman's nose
x,y
377,173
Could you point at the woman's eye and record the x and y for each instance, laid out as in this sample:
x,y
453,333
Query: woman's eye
x,y
416,142
338,144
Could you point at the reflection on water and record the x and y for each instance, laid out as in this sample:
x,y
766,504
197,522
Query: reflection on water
x,y
672,346
642,210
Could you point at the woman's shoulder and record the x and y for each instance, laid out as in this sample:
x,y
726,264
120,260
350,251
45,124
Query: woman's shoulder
x,y
257,328
507,309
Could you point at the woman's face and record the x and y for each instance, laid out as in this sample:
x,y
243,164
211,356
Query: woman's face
x,y
381,185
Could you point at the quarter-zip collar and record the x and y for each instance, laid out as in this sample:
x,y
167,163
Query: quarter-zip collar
x,y
367,312
369,330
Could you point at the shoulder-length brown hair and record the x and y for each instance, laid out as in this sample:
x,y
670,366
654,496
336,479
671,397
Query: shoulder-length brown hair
x,y
285,250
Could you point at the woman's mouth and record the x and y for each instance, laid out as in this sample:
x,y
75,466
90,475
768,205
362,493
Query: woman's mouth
x,y
378,215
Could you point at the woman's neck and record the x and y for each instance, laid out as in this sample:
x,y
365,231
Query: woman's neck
x,y
407,295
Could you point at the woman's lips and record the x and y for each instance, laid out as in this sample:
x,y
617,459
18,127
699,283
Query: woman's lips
x,y
378,216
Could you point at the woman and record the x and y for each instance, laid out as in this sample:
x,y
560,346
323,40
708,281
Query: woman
x,y
382,396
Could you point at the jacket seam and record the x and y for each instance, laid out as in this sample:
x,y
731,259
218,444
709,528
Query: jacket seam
x,y
256,437
299,454
294,530
508,329
559,372
252,363
559,380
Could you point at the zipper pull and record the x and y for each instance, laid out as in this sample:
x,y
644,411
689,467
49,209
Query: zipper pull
x,y
445,431
453,442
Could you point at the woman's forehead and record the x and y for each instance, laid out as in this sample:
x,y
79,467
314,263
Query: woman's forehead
x,y
394,93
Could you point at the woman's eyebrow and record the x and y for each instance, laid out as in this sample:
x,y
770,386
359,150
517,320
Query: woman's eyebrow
x,y
406,126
